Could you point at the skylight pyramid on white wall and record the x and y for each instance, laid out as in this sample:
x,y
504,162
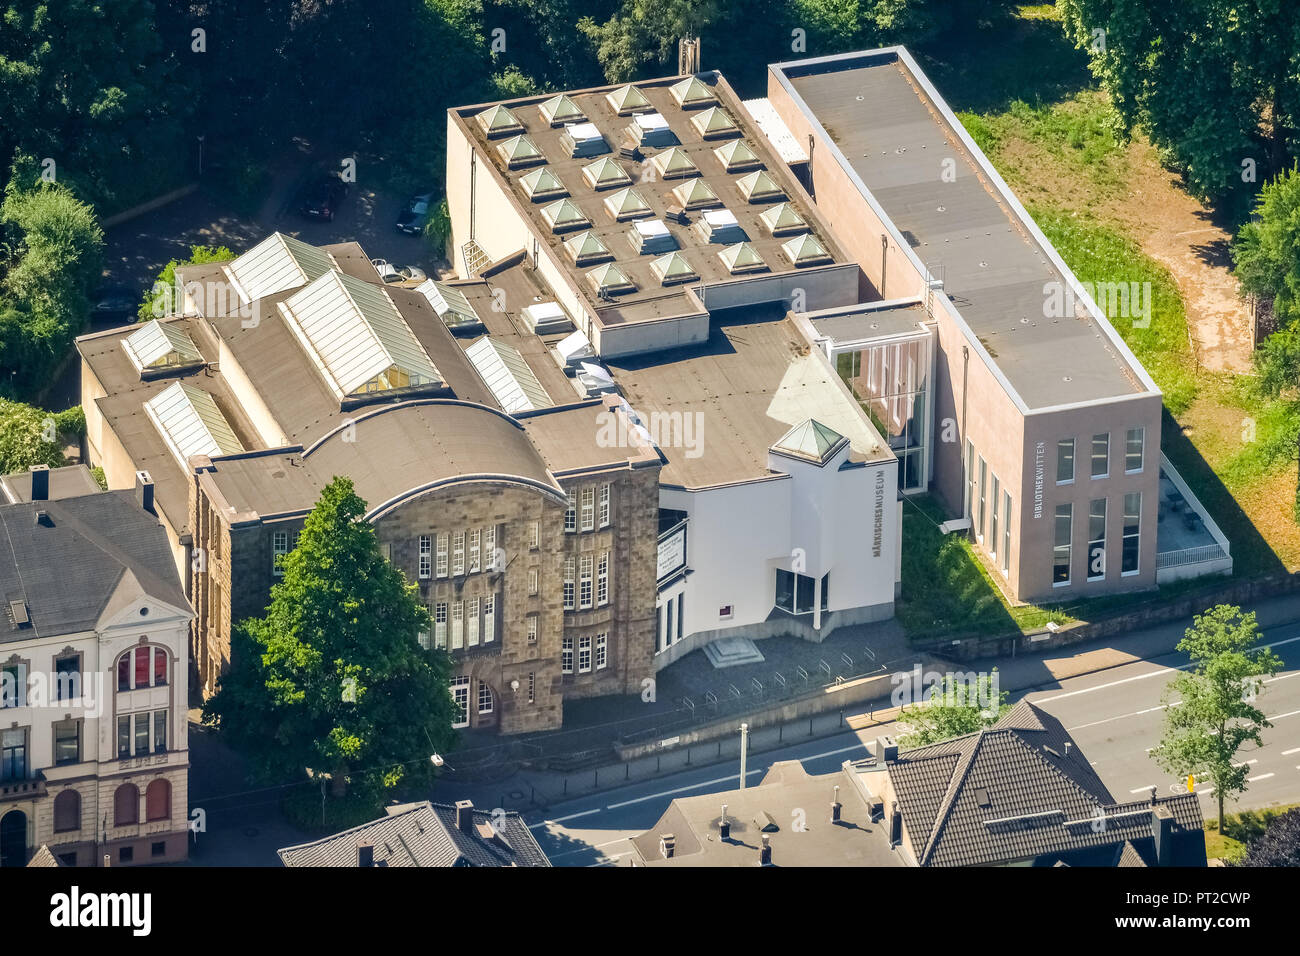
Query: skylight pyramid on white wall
x,y
357,338
161,345
191,424
812,440
276,264
505,372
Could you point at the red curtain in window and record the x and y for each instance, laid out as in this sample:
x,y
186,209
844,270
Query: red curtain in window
x,y
158,800
159,666
142,667
126,805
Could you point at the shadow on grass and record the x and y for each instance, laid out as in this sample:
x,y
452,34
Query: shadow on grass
x,y
1251,554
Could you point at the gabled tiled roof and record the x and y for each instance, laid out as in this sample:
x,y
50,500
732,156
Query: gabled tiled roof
x,y
425,834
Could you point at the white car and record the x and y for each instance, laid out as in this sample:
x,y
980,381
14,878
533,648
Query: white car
x,y
391,273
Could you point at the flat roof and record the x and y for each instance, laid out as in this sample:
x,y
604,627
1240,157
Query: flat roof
x,y
970,233
650,185
863,323
753,380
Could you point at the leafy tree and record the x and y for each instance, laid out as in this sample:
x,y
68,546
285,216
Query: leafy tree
x,y
160,301
333,677
1210,709
952,709
1278,845
1266,252
438,229
644,33
30,436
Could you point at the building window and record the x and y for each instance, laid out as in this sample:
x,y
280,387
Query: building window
x,y
460,698
126,805
1101,455
67,811
568,584
1061,549
1134,440
584,581
1132,533
123,737
426,557
67,741
458,553
532,580
570,517
532,629
794,593
970,479
484,698
532,686
566,655
141,738
13,754
983,499
588,509
457,625
535,534
422,636
1097,539
471,623
279,548
993,517
475,562
440,625
1065,461
158,848
126,854
158,801
584,655
161,667
489,619
602,651
490,560
1006,532
149,667
602,506
442,556
67,677
602,580
13,685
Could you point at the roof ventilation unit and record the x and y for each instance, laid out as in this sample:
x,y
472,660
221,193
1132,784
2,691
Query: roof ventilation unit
x,y
547,318
572,350
720,225
650,237
651,131
583,139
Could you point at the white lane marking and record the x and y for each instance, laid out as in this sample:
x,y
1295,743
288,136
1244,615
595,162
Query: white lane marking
x,y
1289,713
589,848
1136,713
726,779
1293,750
571,816
1261,776
1141,790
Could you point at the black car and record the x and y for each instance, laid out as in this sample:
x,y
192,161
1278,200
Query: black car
x,y
416,214
321,198
111,301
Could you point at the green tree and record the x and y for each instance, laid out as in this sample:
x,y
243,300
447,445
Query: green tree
x,y
1210,710
1266,252
953,708
161,300
30,436
333,676
1278,845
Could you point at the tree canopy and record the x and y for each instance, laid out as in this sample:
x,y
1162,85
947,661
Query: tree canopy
x,y
160,300
952,708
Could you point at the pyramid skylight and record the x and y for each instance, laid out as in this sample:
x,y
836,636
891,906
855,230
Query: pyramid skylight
x,y
520,151
191,424
673,268
674,164
783,220
715,122
605,174
627,100
507,375
559,110
742,258
805,250
357,338
276,264
499,121
587,248
161,345
542,184
758,186
737,156
692,93
696,194
564,215
812,440
627,204
610,279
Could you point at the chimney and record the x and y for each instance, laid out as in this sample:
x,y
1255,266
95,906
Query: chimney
x,y
40,482
1068,747
1153,795
724,827
365,854
765,851
886,749
667,843
835,806
1162,835
465,816
43,519
895,825
144,491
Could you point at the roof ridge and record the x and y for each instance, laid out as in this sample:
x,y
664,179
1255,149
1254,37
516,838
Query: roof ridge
x,y
955,783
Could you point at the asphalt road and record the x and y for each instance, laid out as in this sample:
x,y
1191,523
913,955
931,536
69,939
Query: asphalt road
x,y
1115,716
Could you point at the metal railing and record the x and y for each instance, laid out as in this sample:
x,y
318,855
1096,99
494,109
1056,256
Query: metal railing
x,y
1185,556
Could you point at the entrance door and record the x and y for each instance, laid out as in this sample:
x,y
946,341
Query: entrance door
x,y
13,839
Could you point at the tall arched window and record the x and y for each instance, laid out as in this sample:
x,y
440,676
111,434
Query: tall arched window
x,y
158,801
126,805
143,667
67,811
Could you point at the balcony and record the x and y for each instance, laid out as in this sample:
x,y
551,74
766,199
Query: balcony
x,y
12,791
1188,542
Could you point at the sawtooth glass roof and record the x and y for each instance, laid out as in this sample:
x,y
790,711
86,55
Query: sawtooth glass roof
x,y
357,337
191,424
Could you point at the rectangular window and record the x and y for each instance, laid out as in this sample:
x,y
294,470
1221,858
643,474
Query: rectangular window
x,y
535,535
142,667
794,592
602,580
1134,440
970,480
1101,455
442,555
490,561
1097,539
532,629
457,625
602,506
13,684
474,554
159,731
1065,461
532,686
584,581
1132,533
571,517
426,556
141,734
584,655
1006,532
532,580
123,737
13,754
471,623
993,517
983,499
440,624
588,509
460,698
422,637
279,548
1061,549
124,672
602,651
159,667
489,619
566,655
458,553
67,742
568,584
484,698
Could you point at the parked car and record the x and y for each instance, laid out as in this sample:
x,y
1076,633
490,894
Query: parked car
x,y
111,301
391,273
322,197
415,216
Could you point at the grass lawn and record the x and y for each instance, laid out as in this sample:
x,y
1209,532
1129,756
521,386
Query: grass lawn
x,y
1239,829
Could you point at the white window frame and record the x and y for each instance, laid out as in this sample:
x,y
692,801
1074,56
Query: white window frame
x,y
485,693
1094,541
602,509
535,535
1067,548
458,554
440,625
475,551
490,549
471,622
532,628
1074,460
570,586
279,548
602,580
441,567
489,618
425,566
571,517
1125,535
457,625
566,655
532,580
585,592
1092,455
588,508
602,651
584,654
1142,450
459,686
